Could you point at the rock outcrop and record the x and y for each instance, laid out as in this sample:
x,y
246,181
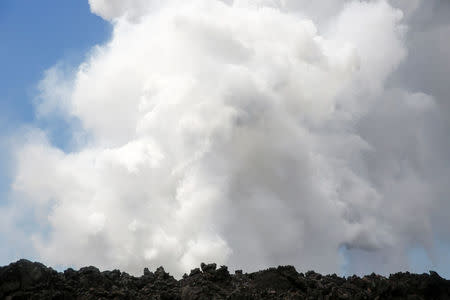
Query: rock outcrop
x,y
27,280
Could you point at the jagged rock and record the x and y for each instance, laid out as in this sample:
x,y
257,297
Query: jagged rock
x,y
222,274
24,274
147,272
113,275
208,268
28,280
161,273
195,272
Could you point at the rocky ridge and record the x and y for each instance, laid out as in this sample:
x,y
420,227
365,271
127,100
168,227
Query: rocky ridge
x,y
31,280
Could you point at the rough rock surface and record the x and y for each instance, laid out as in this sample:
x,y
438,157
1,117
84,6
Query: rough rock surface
x,y
27,280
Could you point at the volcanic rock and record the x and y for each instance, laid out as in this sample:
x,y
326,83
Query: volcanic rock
x,y
31,280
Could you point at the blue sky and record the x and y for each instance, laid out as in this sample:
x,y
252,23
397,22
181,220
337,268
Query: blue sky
x,y
36,35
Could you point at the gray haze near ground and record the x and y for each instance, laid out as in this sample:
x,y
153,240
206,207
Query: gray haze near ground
x,y
420,142
285,163
407,143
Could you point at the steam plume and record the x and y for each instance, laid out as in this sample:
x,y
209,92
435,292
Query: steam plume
x,y
251,133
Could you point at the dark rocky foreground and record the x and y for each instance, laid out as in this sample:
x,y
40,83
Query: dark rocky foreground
x,y
28,280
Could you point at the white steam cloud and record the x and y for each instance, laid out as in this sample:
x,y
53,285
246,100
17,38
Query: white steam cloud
x,y
248,133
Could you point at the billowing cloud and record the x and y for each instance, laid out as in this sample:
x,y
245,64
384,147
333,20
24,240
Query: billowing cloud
x,y
113,9
251,133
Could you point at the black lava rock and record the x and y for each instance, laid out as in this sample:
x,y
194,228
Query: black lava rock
x,y
30,280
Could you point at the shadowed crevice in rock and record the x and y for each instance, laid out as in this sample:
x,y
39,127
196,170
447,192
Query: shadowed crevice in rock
x,y
31,280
